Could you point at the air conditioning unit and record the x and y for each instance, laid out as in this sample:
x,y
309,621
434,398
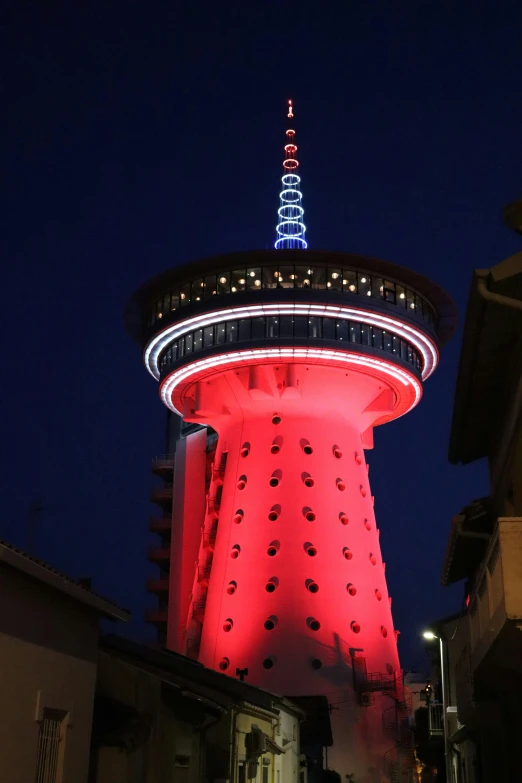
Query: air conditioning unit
x,y
255,741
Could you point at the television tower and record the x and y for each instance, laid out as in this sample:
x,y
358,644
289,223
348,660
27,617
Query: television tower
x,y
293,358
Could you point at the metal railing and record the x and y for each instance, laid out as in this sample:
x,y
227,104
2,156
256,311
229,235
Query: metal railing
x,y
436,720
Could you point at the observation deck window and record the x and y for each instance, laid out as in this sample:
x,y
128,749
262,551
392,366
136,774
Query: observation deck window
x,y
334,279
287,327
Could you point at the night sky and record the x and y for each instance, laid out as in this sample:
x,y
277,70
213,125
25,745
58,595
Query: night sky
x,y
138,136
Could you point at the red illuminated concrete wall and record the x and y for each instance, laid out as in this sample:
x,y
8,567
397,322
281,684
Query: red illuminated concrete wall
x,y
188,513
296,588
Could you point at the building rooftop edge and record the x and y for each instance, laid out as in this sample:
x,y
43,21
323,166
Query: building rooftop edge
x,y
177,664
45,573
485,359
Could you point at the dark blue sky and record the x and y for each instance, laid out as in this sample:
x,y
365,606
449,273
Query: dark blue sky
x,y
137,136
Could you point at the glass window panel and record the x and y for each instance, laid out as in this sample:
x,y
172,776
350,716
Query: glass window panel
x,y
328,329
188,343
223,282
301,326
272,326
174,299
184,294
366,334
401,295
377,287
302,277
389,291
166,305
174,351
197,289
355,332
238,280
350,281
335,279
158,309
270,276
419,301
364,284
410,300
396,345
410,354
221,334
209,286
404,350
377,338
208,336
254,278
387,341
287,276
318,277
286,326
231,327
244,329
181,347
342,329
315,326
198,340
258,328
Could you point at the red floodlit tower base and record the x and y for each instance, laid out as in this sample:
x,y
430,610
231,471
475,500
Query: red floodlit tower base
x,y
293,357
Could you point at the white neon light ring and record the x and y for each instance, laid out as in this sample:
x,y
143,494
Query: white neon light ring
x,y
284,197
290,133
299,211
293,237
418,339
291,147
290,179
287,223
288,161
277,354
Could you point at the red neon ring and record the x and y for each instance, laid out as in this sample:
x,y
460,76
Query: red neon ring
x,y
290,148
291,164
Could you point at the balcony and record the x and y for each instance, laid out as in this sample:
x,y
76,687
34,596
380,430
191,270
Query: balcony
x,y
162,495
163,465
156,616
160,525
209,538
158,553
495,607
435,720
157,586
214,504
204,575
198,608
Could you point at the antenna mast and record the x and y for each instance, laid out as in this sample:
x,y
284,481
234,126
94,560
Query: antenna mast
x,y
290,228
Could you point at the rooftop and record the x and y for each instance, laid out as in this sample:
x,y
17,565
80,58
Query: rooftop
x,y
490,345
37,569
179,665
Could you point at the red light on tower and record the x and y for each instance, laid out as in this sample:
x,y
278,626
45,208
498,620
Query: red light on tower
x,y
293,358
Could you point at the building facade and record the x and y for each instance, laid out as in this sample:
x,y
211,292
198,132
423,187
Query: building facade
x,y
485,544
163,718
48,659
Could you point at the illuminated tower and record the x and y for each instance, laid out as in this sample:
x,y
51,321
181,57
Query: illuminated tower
x,y
293,358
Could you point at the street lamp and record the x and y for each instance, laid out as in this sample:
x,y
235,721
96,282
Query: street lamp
x,y
430,636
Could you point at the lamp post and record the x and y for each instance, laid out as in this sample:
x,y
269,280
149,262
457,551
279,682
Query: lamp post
x,y
430,636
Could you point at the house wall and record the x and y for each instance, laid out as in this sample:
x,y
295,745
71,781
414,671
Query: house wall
x,y
48,648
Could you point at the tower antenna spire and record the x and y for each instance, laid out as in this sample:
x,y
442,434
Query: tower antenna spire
x,y
290,228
